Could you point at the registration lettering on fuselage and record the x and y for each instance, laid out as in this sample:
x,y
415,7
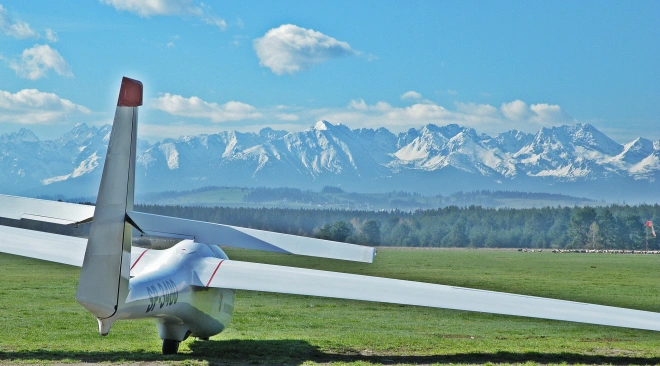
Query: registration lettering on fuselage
x,y
163,294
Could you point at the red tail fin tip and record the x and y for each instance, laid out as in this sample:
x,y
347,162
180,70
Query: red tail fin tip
x,y
130,94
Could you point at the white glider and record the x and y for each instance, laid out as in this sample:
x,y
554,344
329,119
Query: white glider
x,y
189,288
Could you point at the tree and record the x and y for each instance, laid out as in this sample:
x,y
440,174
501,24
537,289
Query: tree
x,y
338,231
594,235
607,228
457,236
578,227
370,233
636,234
400,234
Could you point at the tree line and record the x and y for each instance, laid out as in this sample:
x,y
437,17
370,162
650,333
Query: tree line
x,y
607,227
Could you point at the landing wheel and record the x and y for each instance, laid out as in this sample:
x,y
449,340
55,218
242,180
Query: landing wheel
x,y
170,346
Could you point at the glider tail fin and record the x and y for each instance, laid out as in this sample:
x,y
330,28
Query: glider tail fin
x,y
104,277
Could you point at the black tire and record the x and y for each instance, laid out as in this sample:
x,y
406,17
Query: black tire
x,y
170,346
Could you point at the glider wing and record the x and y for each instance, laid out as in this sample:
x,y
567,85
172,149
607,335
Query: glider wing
x,y
63,213
59,248
269,278
238,237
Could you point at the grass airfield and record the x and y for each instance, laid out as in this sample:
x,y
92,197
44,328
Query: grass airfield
x,y
42,323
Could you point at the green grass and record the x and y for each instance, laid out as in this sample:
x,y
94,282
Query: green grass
x,y
42,323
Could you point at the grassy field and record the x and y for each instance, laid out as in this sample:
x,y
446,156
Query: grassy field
x,y
42,323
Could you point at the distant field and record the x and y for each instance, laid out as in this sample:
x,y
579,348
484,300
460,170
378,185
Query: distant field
x,y
42,323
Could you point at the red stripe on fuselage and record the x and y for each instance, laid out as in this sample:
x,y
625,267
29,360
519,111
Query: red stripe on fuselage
x,y
213,275
140,257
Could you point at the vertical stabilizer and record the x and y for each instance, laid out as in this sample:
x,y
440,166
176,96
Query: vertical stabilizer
x,y
103,284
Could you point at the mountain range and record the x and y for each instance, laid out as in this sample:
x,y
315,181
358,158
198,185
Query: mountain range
x,y
575,159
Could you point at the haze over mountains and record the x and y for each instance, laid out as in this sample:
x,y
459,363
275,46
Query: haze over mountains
x,y
575,160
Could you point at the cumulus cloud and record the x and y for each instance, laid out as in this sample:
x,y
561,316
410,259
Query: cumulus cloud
x,y
195,107
477,109
546,113
51,35
483,117
30,106
36,61
183,8
19,29
540,114
15,27
411,95
288,49
516,110
287,117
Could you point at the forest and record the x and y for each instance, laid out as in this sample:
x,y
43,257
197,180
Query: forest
x,y
603,227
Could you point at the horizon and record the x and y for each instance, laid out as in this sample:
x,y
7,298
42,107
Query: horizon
x,y
246,66
312,127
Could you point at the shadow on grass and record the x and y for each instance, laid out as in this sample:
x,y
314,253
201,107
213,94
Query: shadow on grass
x,y
296,352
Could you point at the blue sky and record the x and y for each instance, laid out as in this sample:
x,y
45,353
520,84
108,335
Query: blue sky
x,y
209,67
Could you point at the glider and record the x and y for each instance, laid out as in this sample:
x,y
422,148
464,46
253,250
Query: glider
x,y
189,288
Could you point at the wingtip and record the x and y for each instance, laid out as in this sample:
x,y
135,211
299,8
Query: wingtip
x,y
130,94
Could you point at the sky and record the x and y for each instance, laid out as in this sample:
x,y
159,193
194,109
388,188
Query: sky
x,y
246,65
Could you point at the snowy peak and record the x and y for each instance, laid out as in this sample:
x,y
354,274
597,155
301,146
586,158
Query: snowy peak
x,y
80,133
511,141
326,127
23,135
322,125
588,136
637,150
271,134
433,159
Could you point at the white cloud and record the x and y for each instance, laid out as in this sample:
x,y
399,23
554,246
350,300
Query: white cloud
x,y
195,107
411,95
36,61
541,114
182,8
546,113
483,117
30,106
213,20
51,35
452,92
516,110
288,49
15,27
287,117
240,23
477,109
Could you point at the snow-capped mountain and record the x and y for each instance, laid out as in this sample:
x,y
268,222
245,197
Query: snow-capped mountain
x,y
572,159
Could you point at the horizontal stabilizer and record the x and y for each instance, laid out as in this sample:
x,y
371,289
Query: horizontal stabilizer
x,y
219,273
56,212
238,237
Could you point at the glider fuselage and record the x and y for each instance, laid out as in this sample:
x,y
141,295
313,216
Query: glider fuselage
x,y
167,289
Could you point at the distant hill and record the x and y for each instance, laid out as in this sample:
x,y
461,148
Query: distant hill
x,y
336,198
